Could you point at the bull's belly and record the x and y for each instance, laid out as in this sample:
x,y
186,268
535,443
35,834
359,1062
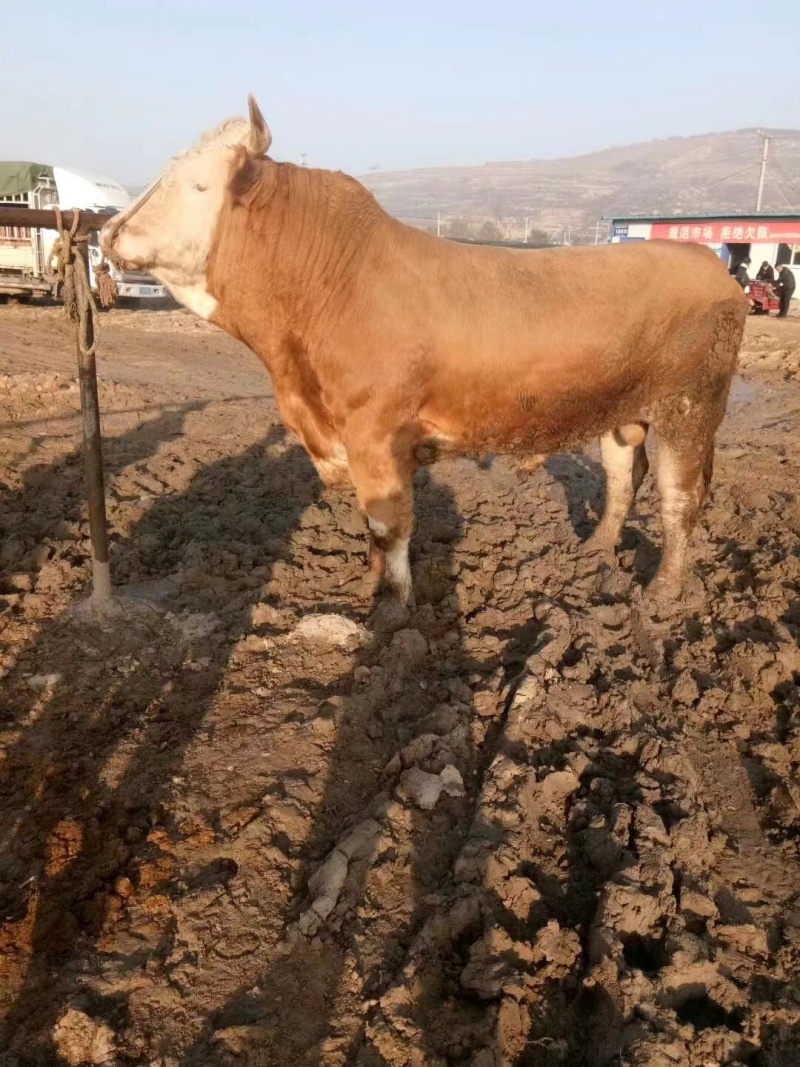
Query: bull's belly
x,y
546,428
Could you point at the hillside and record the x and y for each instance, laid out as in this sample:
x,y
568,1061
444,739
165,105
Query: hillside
x,y
717,171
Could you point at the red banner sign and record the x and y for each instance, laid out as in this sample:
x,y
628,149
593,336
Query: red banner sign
x,y
742,231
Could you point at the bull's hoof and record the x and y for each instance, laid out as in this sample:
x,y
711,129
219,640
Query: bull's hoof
x,y
381,584
671,595
602,541
656,610
664,588
404,596
388,615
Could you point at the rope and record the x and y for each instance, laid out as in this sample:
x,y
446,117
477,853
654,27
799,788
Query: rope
x,y
69,261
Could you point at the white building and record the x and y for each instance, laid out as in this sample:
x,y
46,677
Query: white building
x,y
770,236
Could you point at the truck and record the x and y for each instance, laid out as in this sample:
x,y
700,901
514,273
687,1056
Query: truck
x,y
26,262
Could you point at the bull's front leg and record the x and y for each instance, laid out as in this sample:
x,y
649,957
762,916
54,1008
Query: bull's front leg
x,y
332,468
325,450
382,471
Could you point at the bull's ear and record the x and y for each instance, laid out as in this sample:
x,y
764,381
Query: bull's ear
x,y
259,138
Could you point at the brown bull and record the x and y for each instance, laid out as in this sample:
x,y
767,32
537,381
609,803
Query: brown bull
x,y
381,339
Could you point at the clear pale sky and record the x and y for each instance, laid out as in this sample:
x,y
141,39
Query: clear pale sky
x,y
117,86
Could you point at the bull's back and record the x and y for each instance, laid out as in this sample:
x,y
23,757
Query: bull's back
x,y
577,308
538,349
623,283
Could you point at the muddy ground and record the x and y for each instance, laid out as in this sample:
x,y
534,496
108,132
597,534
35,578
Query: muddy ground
x,y
532,823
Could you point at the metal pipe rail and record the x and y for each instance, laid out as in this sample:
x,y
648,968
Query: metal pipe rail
x,y
35,217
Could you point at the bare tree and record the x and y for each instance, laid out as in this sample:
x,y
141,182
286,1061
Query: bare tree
x,y
490,231
459,227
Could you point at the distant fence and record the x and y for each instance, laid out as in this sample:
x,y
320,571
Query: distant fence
x,y
512,229
501,244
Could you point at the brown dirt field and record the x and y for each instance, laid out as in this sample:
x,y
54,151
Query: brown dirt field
x,y
533,823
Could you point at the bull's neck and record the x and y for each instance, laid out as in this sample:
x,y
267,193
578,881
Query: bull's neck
x,y
291,255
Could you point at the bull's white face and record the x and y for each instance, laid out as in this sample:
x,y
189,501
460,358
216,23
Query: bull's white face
x,y
170,228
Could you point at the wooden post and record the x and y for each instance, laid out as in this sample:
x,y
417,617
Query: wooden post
x,y
93,450
90,408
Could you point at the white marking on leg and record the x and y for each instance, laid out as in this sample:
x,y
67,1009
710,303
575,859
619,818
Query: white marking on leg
x,y
674,501
380,529
333,469
618,465
677,505
617,459
398,568
340,458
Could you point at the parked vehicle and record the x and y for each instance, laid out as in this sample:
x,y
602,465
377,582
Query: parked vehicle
x,y
763,298
26,265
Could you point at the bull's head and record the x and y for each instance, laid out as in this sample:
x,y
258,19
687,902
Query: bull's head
x,y
169,229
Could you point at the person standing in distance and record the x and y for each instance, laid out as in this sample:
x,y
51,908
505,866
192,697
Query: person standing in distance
x,y
741,275
785,285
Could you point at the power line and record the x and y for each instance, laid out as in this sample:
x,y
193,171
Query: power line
x,y
776,169
779,187
727,177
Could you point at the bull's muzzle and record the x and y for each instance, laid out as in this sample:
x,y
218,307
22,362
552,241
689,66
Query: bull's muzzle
x,y
110,232
107,237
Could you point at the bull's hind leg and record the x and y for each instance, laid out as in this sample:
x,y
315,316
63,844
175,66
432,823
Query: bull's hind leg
x,y
687,426
684,475
625,463
382,474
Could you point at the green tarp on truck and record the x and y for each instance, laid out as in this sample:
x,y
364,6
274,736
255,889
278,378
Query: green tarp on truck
x,y
19,178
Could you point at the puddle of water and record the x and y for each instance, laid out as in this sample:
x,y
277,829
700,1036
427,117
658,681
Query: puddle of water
x,y
743,389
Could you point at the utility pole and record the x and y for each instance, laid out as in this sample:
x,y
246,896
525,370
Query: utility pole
x,y
527,228
597,234
438,224
763,172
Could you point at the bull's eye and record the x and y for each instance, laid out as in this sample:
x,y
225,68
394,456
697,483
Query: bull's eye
x,y
200,188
